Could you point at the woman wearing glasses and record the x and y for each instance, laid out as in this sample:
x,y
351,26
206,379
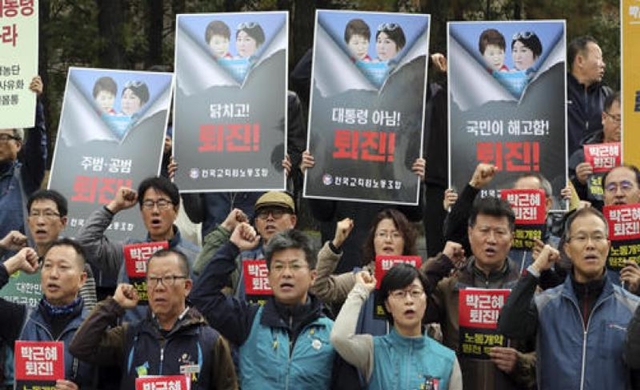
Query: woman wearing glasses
x,y
406,358
391,234
249,38
390,40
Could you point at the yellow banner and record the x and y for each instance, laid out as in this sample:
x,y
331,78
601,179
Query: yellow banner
x,y
630,12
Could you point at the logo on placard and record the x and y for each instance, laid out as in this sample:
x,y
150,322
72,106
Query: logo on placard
x,y
194,173
327,179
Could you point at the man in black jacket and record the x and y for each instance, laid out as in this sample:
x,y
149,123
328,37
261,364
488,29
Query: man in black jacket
x,y
585,91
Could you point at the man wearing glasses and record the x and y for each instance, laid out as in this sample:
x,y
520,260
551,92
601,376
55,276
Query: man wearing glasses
x,y
47,210
47,218
581,171
580,325
285,343
173,339
20,177
274,212
159,202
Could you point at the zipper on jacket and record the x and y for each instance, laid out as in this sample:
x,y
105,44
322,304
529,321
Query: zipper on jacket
x,y
585,329
584,358
288,373
291,342
161,360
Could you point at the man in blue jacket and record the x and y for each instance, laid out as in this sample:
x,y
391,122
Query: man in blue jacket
x,y
60,311
285,343
581,325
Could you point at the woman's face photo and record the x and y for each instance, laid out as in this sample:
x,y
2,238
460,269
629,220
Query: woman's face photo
x,y
130,103
219,45
105,100
245,44
358,46
523,58
385,47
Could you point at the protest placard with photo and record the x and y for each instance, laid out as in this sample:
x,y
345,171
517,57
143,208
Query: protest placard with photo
x,y
230,105
111,134
366,115
507,101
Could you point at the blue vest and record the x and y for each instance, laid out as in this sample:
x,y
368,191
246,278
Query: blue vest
x,y
266,361
402,363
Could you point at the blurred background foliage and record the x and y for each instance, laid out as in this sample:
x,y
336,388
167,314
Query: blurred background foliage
x,y
139,34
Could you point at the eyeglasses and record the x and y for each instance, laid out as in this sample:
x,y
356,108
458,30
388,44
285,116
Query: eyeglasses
x,y
415,293
615,118
6,137
46,214
163,204
394,235
582,239
246,25
276,213
624,186
523,35
279,268
134,84
388,26
167,280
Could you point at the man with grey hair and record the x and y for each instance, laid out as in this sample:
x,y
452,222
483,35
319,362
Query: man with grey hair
x,y
581,324
22,166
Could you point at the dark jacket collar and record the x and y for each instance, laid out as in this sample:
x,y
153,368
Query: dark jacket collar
x,y
188,322
472,276
574,83
174,241
291,318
